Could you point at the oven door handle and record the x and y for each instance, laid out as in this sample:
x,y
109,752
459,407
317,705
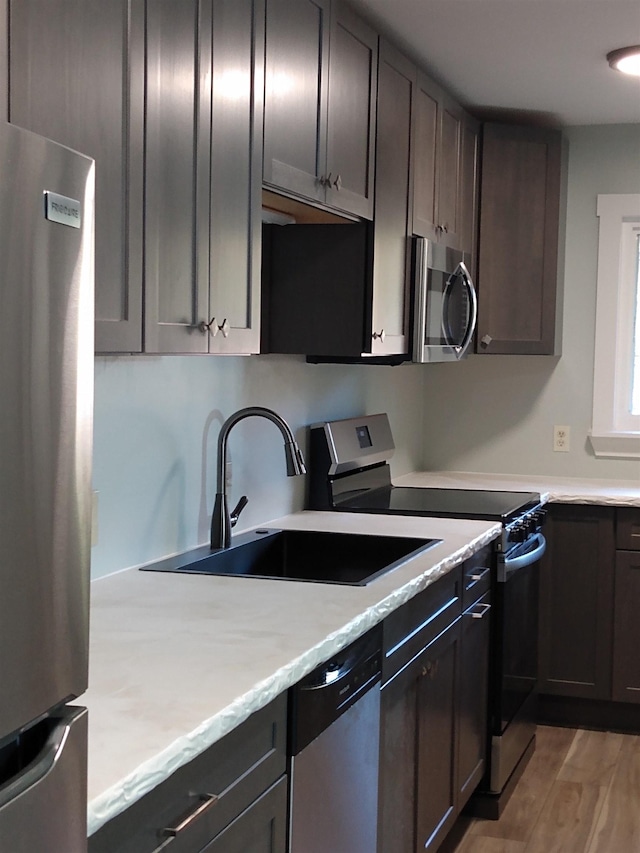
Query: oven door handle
x,y
513,564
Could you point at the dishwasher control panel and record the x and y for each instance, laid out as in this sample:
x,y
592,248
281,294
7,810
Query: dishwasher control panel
x,y
330,689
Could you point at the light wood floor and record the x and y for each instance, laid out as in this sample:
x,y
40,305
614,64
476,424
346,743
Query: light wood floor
x,y
580,793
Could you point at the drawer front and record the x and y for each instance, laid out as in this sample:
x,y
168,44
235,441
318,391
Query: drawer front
x,y
413,626
262,828
200,799
628,528
477,573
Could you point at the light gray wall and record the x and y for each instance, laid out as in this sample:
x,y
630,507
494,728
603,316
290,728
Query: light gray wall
x,y
496,413
156,428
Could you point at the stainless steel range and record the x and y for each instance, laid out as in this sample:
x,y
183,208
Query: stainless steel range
x,y
350,472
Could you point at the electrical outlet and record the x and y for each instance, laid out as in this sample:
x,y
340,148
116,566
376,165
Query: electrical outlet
x,y
94,518
228,476
561,438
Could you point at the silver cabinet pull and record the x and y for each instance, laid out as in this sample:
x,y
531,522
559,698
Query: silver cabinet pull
x,y
338,183
480,611
170,833
210,327
225,327
379,336
478,573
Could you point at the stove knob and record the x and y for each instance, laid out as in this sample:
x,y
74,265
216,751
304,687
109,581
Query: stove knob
x,y
519,531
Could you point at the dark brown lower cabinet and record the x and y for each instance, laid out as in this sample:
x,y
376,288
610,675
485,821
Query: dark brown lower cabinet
x,y
418,785
474,697
626,631
576,602
434,712
436,737
589,667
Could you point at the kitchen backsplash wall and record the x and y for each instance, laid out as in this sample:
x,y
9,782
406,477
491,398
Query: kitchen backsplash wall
x,y
496,413
155,440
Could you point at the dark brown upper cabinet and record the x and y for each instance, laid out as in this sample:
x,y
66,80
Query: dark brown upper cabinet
x,y
77,76
445,178
320,101
342,291
391,289
202,176
518,279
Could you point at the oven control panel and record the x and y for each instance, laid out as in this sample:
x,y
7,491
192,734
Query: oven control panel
x,y
523,527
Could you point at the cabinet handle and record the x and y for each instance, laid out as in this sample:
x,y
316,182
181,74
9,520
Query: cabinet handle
x,y
210,327
328,180
430,669
479,573
480,611
170,833
379,335
338,183
224,328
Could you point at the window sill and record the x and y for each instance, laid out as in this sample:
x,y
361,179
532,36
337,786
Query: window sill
x,y
622,445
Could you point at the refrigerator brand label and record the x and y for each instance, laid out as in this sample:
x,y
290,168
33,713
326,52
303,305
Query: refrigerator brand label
x,y
59,208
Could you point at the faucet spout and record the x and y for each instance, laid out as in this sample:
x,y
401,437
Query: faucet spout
x,y
221,521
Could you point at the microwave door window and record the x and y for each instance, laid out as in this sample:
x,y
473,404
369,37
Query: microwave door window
x,y
435,332
455,310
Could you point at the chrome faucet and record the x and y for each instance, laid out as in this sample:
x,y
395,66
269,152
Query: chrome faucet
x,y
221,521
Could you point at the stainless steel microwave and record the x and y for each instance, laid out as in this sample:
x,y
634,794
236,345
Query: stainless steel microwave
x,y
444,303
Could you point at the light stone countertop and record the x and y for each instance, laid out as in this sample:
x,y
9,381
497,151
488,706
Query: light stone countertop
x,y
552,489
177,661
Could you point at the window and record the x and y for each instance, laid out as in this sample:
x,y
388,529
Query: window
x,y
616,382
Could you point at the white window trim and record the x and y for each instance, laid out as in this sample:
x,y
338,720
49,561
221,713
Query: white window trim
x,y
612,434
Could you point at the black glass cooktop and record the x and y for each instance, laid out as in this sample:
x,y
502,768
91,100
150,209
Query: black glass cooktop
x,y
448,503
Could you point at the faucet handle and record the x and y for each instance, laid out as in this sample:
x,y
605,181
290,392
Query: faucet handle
x,y
235,513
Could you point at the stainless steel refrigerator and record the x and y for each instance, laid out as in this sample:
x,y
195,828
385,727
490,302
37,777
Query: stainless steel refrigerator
x,y
46,410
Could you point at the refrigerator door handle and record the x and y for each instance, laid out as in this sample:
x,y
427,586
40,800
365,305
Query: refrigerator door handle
x,y
42,764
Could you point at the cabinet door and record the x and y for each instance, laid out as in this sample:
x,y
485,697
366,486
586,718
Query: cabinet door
x,y
351,125
296,85
436,796
398,740
426,145
262,828
236,176
449,174
626,630
418,749
77,77
473,709
178,104
392,260
576,602
518,251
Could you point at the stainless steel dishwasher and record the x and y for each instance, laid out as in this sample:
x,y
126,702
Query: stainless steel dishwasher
x,y
334,748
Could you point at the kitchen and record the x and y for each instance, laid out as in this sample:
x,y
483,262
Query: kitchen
x,y
157,418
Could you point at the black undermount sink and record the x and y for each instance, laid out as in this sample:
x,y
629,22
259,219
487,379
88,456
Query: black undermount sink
x,y
300,555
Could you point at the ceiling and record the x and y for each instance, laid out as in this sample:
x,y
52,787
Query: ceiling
x,y
502,58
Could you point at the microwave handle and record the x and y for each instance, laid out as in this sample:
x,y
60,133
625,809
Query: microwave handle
x,y
473,299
